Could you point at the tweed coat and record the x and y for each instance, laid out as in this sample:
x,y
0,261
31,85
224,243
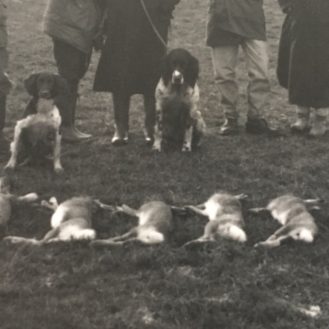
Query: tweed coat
x,y
75,22
303,61
229,18
130,61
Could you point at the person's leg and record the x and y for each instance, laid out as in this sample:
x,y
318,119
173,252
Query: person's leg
x,y
224,63
319,122
259,86
5,86
149,107
121,102
2,112
72,65
302,124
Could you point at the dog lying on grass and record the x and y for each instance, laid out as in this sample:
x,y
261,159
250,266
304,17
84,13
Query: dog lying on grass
x,y
71,220
179,123
38,134
155,221
225,218
297,223
7,200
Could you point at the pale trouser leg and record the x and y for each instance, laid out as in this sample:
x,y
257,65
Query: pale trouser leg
x,y
224,63
259,87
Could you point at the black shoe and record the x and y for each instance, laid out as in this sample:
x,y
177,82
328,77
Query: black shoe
x,y
259,126
229,127
118,140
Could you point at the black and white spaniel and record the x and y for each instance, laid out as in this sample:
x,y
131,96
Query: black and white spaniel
x,y
38,134
179,124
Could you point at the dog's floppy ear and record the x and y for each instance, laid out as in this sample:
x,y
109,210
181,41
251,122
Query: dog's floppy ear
x,y
165,69
192,73
61,86
31,84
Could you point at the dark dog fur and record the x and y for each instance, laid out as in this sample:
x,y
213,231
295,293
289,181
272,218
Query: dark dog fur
x,y
179,123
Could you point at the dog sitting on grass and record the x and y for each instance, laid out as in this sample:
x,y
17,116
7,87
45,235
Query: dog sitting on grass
x,y
38,135
297,223
7,200
225,218
179,123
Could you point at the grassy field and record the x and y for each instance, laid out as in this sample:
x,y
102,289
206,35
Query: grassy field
x,y
165,287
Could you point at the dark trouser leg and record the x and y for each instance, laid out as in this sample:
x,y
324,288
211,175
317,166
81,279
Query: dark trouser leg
x,y
149,107
121,102
31,108
72,65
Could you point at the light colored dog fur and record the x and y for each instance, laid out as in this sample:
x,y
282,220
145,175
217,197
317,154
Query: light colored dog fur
x,y
224,213
297,223
154,223
48,119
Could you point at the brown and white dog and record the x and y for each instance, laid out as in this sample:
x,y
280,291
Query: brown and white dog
x,y
7,200
225,218
179,123
71,220
38,134
297,223
155,221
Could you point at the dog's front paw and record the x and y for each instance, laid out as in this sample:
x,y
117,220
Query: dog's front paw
x,y
156,147
59,170
10,166
186,148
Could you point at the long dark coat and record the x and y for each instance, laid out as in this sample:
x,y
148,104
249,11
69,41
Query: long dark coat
x,y
131,58
303,63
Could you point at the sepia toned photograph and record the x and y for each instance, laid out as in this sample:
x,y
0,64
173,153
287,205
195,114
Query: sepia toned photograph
x,y
164,164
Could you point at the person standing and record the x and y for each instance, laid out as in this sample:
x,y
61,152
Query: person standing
x,y
130,63
233,24
303,62
5,83
73,26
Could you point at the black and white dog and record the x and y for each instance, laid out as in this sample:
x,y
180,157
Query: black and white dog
x,y
38,134
179,124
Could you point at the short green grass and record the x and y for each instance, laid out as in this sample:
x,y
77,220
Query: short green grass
x,y
165,287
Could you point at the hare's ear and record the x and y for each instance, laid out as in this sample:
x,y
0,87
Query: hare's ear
x,y
31,84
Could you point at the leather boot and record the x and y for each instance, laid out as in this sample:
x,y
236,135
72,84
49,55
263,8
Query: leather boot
x,y
229,127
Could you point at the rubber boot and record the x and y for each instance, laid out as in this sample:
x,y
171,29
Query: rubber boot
x,y
69,132
73,112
